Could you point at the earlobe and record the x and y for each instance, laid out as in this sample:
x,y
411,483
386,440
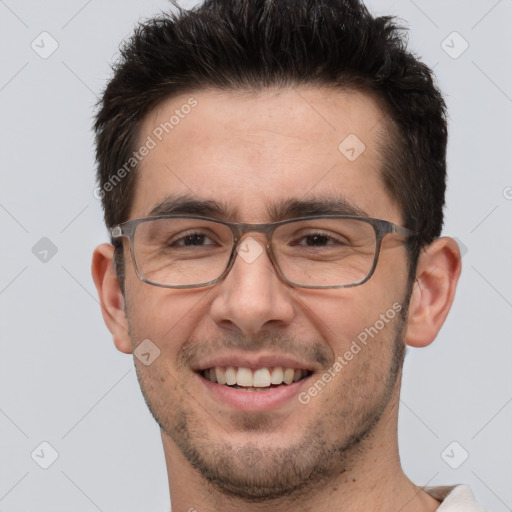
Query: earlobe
x,y
110,296
433,292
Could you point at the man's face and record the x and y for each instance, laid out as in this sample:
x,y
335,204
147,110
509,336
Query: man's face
x,y
248,152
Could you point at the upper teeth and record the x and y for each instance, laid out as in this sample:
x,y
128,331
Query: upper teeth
x,y
259,378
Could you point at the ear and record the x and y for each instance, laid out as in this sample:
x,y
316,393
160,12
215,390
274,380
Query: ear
x,y
437,275
110,295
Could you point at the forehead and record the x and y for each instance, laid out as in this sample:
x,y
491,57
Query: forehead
x,y
252,150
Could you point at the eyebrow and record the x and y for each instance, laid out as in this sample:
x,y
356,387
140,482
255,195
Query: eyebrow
x,y
277,210
322,205
186,205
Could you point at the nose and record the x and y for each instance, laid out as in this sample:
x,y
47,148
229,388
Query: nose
x,y
252,297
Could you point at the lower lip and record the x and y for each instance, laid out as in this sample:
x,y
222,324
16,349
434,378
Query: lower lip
x,y
254,400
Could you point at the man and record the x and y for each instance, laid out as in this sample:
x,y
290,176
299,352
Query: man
x,y
273,178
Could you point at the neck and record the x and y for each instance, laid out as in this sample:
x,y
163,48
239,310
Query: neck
x,y
374,480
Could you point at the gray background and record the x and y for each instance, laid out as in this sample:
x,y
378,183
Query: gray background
x,y
61,379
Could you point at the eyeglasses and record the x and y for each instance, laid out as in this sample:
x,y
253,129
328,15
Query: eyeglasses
x,y
188,251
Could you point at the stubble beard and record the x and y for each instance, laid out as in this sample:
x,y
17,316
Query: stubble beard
x,y
255,473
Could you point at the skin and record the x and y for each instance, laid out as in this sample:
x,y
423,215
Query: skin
x,y
340,450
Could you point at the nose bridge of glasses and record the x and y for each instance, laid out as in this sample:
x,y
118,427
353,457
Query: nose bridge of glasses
x,y
250,243
252,259
258,232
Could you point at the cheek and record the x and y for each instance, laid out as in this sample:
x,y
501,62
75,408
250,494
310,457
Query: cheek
x,y
167,317
342,316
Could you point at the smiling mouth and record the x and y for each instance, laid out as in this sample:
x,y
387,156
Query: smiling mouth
x,y
258,379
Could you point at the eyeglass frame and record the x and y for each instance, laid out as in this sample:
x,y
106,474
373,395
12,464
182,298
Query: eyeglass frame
x,y
239,229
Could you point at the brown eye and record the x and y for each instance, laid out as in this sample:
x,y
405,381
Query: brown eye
x,y
192,240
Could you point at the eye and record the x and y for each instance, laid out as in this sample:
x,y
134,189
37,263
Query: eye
x,y
316,240
191,240
319,239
